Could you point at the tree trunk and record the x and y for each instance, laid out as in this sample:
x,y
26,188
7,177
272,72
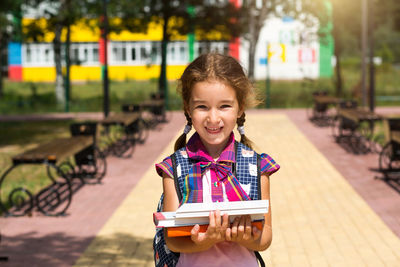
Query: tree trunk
x,y
162,81
67,68
338,73
252,53
252,46
257,16
60,96
338,67
1,65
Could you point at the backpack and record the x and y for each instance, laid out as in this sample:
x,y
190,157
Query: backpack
x,y
163,257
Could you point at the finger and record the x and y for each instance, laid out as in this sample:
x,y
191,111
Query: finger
x,y
225,222
256,233
234,228
194,233
228,234
240,231
211,227
217,221
247,231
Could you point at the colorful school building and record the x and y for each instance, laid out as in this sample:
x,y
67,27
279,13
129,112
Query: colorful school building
x,y
283,52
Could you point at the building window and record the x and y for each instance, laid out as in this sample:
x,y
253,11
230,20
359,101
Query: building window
x,y
133,53
46,55
119,54
143,53
182,53
85,55
95,54
28,55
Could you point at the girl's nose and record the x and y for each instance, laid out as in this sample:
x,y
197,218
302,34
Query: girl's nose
x,y
213,116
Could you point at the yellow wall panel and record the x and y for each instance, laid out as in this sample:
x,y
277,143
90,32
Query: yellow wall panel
x,y
80,73
39,74
175,72
83,73
143,72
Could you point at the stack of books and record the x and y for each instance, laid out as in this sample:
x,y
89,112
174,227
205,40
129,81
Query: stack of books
x,y
181,222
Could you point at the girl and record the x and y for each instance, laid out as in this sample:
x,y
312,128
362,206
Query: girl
x,y
216,92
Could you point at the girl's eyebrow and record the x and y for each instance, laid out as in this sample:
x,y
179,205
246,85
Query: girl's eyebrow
x,y
229,101
225,101
198,101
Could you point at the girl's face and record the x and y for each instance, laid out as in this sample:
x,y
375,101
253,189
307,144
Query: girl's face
x,y
214,109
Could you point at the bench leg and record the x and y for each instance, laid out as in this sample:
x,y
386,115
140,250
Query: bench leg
x,y
19,199
94,168
55,199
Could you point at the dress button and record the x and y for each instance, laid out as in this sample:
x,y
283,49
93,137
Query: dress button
x,y
216,184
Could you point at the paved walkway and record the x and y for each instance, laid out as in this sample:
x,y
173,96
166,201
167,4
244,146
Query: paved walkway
x,y
325,210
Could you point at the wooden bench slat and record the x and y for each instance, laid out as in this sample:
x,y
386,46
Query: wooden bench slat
x,y
152,103
396,136
55,150
357,115
323,99
121,118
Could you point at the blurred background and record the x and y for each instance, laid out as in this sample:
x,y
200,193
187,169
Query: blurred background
x,y
95,55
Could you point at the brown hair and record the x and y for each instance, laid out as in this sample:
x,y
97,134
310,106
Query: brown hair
x,y
222,68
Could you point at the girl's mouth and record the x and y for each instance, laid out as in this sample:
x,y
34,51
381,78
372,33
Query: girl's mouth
x,y
213,130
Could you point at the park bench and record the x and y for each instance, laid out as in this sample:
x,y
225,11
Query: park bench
x,y
355,126
121,131
87,163
320,112
156,106
141,127
389,157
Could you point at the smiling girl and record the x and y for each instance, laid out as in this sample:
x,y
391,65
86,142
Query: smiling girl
x,y
216,93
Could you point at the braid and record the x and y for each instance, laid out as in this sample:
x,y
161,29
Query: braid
x,y
181,141
243,138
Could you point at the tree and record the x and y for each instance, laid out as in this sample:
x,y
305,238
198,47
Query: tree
x,y
345,17
175,20
387,30
60,15
253,14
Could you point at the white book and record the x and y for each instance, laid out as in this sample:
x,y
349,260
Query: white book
x,y
198,213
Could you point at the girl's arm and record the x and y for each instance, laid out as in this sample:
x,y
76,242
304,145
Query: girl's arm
x,y
242,232
197,241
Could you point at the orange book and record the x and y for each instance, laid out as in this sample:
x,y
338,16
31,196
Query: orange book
x,y
185,230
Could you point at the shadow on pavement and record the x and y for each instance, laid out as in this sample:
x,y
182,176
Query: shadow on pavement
x,y
58,249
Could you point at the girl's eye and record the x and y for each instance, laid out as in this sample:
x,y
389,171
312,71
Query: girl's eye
x,y
201,107
225,106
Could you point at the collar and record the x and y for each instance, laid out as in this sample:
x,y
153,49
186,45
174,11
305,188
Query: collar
x,y
197,151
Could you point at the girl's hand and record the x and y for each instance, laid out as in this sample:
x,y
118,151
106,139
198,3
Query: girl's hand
x,y
215,233
242,232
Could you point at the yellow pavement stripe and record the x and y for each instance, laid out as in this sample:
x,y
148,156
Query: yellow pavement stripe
x,y
318,219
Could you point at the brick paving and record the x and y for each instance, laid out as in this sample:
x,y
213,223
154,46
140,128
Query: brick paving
x,y
48,241
328,210
359,170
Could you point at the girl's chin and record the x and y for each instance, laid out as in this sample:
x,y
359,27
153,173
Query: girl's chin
x,y
215,139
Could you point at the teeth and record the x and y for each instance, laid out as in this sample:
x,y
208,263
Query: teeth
x,y
213,129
